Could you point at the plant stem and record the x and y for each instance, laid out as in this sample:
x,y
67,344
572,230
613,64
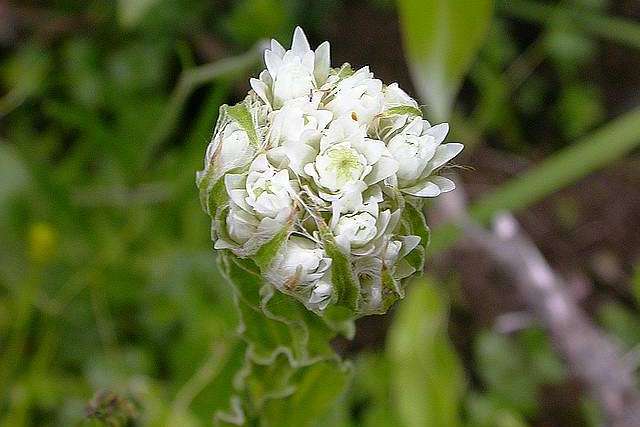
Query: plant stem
x,y
203,376
193,78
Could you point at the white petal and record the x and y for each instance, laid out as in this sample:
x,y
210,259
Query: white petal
x,y
308,61
277,48
323,117
439,132
239,197
322,63
385,167
371,148
445,184
278,157
383,222
269,227
234,181
299,155
260,163
371,208
310,170
443,154
265,77
394,220
260,88
416,126
300,45
235,184
409,243
223,244
321,295
273,62
423,189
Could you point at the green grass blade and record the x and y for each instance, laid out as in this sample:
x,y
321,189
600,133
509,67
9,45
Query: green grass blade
x,y
618,30
564,168
593,152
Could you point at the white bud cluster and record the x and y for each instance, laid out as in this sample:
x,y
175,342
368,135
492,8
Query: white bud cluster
x,y
318,177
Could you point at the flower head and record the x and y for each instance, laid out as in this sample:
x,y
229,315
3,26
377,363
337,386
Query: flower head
x,y
318,177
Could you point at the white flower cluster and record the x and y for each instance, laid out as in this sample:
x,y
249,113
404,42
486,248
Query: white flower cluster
x,y
318,177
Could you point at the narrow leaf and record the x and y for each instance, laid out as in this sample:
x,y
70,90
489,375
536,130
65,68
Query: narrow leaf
x,y
441,39
342,277
415,224
588,154
427,379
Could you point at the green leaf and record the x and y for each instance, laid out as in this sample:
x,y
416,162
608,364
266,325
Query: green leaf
x,y
341,320
404,109
268,251
592,152
27,70
343,279
502,366
580,109
415,224
391,288
252,20
427,379
213,196
274,323
371,385
240,113
279,394
317,390
484,411
441,39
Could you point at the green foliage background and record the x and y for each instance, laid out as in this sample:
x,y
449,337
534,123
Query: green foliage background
x,y
112,309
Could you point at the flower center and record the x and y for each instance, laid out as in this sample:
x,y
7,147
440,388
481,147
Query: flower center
x,y
345,163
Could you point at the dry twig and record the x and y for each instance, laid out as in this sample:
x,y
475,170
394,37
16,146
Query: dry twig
x,y
590,354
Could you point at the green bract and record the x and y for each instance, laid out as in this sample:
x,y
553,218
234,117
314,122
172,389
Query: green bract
x,y
317,177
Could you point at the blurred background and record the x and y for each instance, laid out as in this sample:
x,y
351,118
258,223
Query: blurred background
x,y
111,308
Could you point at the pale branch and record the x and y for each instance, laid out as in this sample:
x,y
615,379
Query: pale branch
x,y
591,356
